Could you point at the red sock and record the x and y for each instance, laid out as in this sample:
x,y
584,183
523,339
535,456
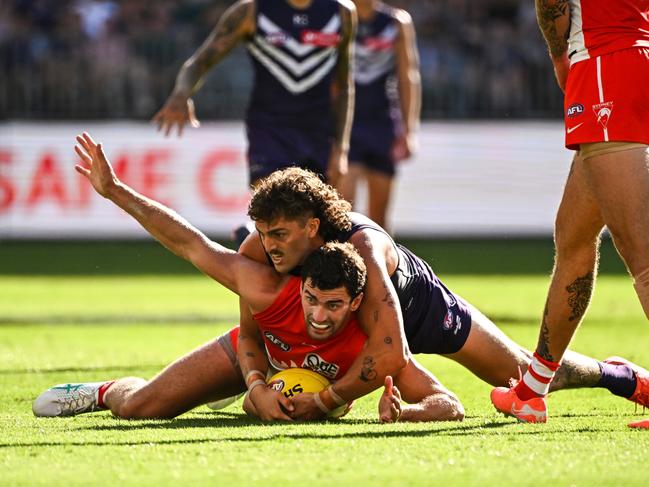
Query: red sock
x,y
102,390
536,381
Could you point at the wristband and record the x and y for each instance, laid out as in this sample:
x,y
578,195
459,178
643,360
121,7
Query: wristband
x,y
254,372
337,399
254,384
320,404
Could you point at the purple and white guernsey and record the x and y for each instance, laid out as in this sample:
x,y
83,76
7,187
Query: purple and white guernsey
x,y
294,53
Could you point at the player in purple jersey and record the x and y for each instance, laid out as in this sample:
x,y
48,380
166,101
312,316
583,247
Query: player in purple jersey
x,y
387,103
405,306
299,50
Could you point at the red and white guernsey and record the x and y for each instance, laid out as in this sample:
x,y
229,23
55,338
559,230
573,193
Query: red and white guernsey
x,y
606,96
288,345
603,26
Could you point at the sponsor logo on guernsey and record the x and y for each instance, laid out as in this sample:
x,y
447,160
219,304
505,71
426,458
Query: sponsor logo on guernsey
x,y
315,362
603,112
378,43
300,19
276,341
320,39
276,38
575,110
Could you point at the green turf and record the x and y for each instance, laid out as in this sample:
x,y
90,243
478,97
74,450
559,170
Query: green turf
x,y
74,328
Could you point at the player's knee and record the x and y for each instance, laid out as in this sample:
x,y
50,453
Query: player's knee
x,y
141,404
575,246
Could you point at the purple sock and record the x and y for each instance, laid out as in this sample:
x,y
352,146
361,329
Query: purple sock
x,y
619,379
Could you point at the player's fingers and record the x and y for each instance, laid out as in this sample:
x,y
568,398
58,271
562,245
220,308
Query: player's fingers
x,y
83,155
91,143
396,392
388,384
286,402
82,170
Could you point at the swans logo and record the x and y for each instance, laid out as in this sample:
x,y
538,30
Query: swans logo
x,y
603,112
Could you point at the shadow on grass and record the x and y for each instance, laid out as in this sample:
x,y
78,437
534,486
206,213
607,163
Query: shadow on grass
x,y
277,431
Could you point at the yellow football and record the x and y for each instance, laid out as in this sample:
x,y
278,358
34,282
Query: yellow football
x,y
297,380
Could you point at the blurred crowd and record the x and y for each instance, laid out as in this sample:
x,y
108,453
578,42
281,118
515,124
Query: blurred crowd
x,y
98,59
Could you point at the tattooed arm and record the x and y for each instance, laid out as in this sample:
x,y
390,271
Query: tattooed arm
x,y
343,97
553,17
236,24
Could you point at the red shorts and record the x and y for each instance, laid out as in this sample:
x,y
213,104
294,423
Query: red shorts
x,y
607,99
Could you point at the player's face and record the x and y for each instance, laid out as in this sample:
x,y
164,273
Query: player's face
x,y
326,312
288,242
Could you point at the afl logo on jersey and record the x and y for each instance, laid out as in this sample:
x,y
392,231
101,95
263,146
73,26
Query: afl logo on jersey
x,y
574,110
315,362
276,38
276,341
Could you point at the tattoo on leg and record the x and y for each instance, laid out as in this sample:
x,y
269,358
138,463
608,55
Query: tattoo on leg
x,y
544,338
580,292
367,372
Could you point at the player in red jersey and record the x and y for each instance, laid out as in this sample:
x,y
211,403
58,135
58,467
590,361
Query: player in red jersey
x,y
307,322
600,52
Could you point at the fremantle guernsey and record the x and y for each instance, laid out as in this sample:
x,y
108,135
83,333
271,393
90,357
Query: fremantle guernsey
x,y
434,319
374,68
294,53
600,27
288,345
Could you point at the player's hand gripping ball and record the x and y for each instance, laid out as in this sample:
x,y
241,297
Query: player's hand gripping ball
x,y
297,380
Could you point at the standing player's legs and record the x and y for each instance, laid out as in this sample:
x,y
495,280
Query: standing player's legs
x,y
620,182
379,189
206,374
348,183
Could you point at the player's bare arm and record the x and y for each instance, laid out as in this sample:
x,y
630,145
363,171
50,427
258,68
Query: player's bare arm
x,y
177,234
553,17
235,25
409,85
267,404
426,399
344,95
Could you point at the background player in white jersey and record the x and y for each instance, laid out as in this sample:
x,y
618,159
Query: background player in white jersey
x,y
600,52
298,49
387,103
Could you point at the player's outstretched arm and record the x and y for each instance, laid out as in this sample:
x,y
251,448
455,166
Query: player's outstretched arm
x,y
426,399
553,17
235,24
172,230
409,86
344,95
266,404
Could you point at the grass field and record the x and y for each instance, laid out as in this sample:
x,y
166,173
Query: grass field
x,y
92,312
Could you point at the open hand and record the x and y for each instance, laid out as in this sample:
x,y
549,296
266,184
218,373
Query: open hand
x,y
177,111
96,167
390,402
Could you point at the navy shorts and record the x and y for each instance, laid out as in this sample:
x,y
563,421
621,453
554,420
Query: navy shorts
x,y
370,146
276,146
445,328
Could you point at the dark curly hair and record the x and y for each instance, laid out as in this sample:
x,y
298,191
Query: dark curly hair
x,y
336,264
298,194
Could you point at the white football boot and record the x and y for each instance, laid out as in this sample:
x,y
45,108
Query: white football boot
x,y
68,400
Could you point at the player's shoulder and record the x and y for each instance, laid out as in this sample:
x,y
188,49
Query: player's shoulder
x,y
346,5
398,14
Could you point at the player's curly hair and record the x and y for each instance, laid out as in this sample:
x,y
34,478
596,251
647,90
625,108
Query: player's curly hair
x,y
333,265
298,194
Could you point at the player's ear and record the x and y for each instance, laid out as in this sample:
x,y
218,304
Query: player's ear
x,y
313,225
356,302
